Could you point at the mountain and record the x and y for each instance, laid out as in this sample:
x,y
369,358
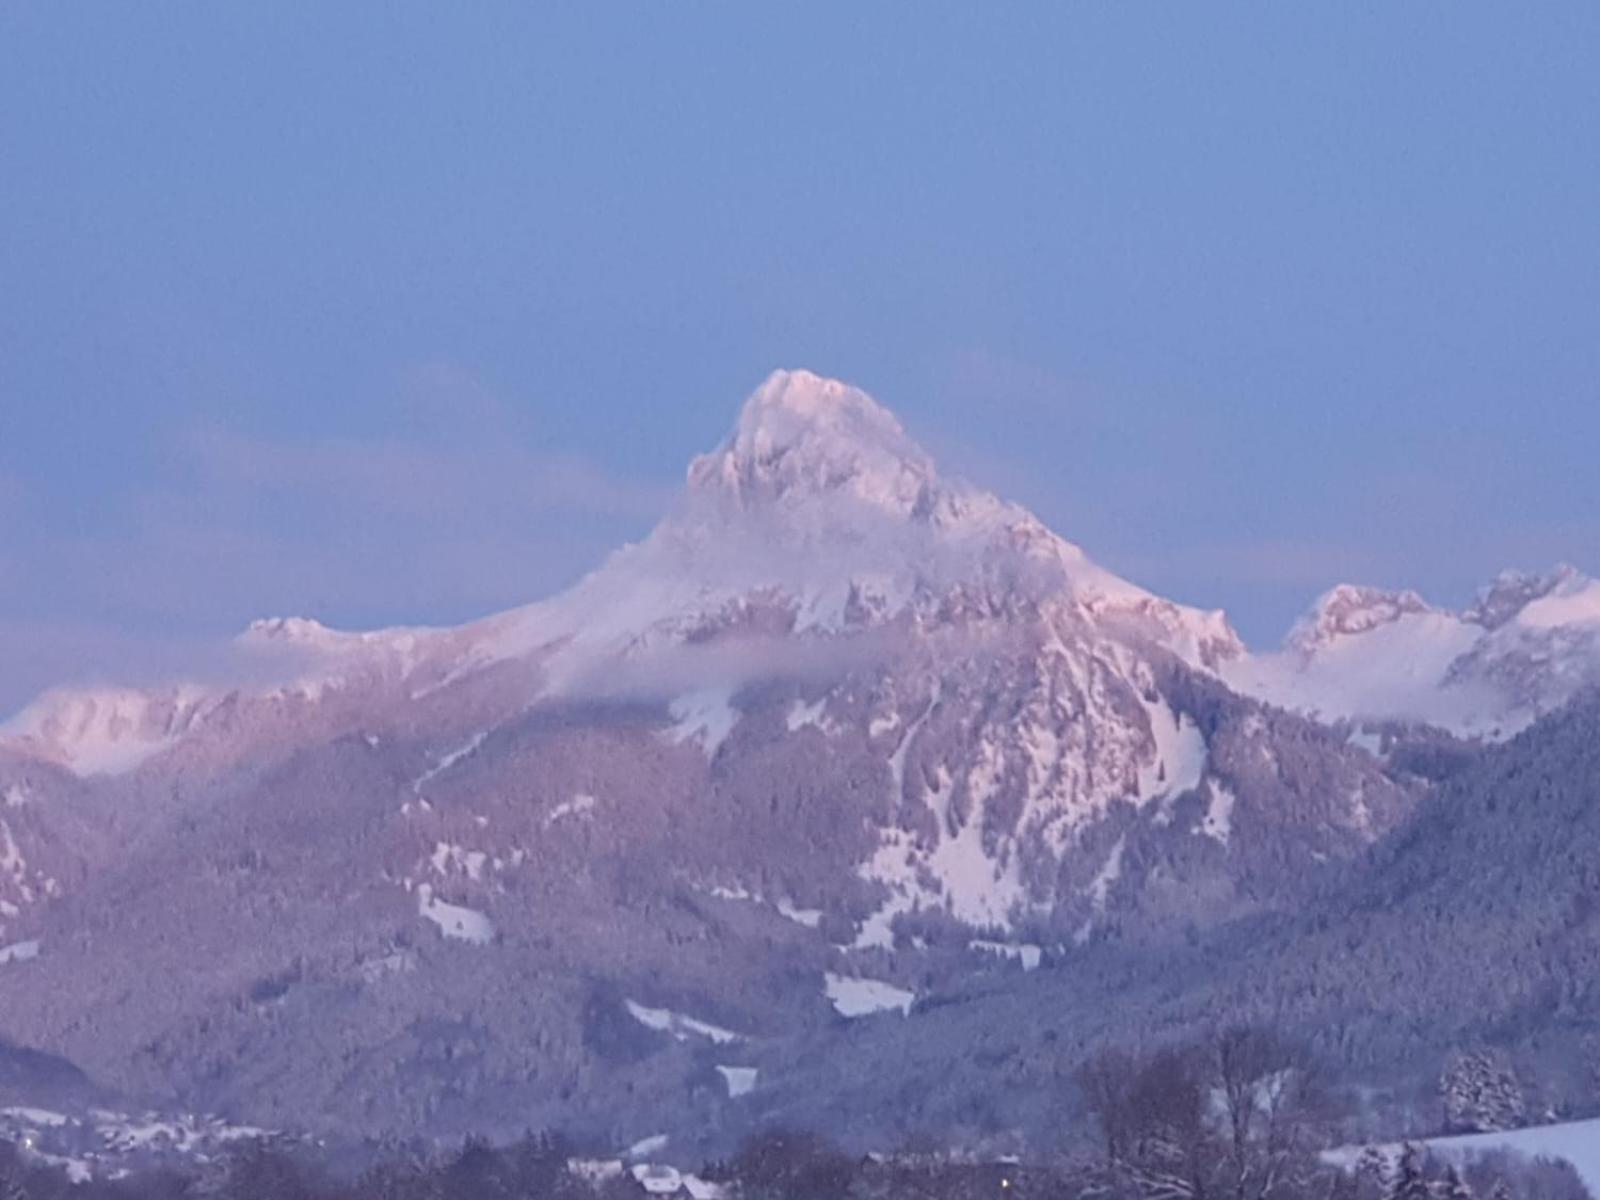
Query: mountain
x,y
840,737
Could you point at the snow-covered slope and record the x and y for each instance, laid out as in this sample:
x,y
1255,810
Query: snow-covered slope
x,y
820,516
105,731
1575,1142
1523,648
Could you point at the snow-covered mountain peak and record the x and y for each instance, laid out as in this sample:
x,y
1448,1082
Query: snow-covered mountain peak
x,y
104,731
801,436
820,513
290,631
1522,648
307,640
1351,609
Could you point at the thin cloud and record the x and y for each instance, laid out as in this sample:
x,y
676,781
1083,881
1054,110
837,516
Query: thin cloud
x,y
456,510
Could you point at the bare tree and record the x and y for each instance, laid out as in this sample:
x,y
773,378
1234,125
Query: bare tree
x,y
1269,1094
1235,1117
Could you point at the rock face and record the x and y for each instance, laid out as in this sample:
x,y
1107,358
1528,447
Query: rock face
x,y
837,718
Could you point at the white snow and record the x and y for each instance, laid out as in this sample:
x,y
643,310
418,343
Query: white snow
x,y
1576,601
16,795
706,715
740,1080
703,1189
399,963
447,857
105,731
42,1117
19,952
1180,754
1218,821
809,917
582,802
883,723
897,760
855,997
1110,871
893,865
595,1170
802,716
449,760
978,889
653,1144
659,1179
1576,1141
978,884
678,1025
1395,670
1024,952
453,920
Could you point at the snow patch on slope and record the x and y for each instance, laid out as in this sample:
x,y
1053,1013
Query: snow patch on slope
x,y
855,997
454,921
1099,889
449,760
19,952
808,716
707,716
106,731
581,802
1179,762
1397,670
741,1081
1218,821
681,1027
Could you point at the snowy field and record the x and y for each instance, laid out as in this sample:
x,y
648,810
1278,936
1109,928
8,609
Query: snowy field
x,y
1576,1141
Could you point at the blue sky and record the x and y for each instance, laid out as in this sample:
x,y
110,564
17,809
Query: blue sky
x,y
404,312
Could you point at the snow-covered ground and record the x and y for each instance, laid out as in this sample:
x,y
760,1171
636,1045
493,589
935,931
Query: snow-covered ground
x,y
1576,1141
453,920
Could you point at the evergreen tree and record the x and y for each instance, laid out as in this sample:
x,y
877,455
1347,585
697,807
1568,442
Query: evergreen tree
x,y
1481,1093
1410,1182
1372,1172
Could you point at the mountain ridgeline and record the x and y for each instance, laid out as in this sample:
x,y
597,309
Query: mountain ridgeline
x,y
851,797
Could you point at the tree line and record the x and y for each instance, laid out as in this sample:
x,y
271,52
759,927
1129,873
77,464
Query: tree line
x,y
1241,1114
